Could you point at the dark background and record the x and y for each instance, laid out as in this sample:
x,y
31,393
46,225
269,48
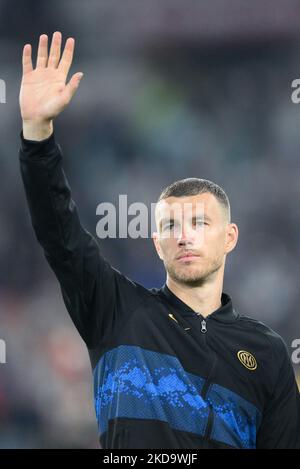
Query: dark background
x,y
172,89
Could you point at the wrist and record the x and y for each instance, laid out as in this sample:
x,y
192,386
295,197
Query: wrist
x,y
37,131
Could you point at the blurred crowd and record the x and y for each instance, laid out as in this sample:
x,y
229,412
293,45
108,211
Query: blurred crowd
x,y
145,115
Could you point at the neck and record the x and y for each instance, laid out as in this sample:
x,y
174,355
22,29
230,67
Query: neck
x,y
204,299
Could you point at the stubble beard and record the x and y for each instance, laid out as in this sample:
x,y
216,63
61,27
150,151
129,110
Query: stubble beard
x,y
191,275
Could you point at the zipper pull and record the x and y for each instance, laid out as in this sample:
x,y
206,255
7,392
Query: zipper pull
x,y
203,326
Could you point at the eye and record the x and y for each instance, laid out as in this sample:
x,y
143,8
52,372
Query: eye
x,y
168,226
200,222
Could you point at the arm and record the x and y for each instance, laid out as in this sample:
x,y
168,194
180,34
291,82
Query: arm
x,y
91,288
280,426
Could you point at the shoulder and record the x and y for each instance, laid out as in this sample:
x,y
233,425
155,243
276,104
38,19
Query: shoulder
x,y
265,333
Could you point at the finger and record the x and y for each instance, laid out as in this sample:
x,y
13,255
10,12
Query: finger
x,y
42,55
71,87
26,59
54,54
67,57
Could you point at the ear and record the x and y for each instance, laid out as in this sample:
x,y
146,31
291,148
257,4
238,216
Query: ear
x,y
232,234
155,237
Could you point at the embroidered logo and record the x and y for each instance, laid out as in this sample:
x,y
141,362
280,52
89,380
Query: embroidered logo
x,y
247,359
172,317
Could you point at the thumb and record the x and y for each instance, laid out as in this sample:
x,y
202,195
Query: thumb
x,y
71,87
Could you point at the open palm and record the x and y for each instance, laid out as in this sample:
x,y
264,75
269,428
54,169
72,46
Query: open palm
x,y
44,92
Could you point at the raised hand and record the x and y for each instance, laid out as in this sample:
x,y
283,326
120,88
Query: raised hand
x,y
44,92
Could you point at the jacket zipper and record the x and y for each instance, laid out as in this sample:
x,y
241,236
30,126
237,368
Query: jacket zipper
x,y
206,386
207,382
209,424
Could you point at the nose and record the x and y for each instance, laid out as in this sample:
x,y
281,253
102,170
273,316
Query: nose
x,y
186,236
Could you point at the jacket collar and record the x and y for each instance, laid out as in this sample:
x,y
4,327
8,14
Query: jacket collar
x,y
226,312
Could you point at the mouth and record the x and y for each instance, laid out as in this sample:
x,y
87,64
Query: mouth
x,y
187,257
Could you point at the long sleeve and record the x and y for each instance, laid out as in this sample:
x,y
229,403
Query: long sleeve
x,y
92,289
280,427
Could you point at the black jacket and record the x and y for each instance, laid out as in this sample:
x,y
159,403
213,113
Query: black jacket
x,y
164,377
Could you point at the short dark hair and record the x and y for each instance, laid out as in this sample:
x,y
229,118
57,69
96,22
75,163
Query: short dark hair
x,y
195,186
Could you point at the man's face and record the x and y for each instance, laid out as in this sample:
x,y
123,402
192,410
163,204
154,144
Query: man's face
x,y
193,237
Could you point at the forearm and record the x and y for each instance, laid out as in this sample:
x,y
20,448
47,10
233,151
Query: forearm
x,y
53,213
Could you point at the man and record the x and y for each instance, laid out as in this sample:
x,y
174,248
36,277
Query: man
x,y
176,367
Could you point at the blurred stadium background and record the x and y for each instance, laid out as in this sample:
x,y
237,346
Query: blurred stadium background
x,y
172,89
